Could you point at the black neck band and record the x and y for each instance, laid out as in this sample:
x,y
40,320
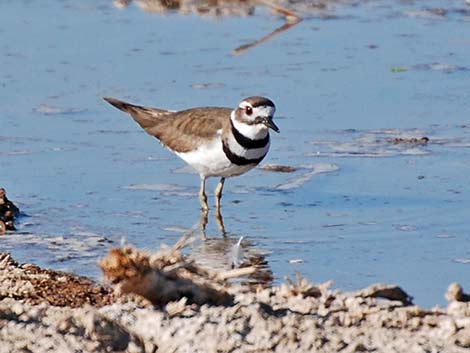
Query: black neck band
x,y
247,142
235,159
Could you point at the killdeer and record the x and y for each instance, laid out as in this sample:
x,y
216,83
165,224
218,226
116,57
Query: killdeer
x,y
216,142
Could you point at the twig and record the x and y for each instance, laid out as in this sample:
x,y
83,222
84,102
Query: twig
x,y
291,20
290,15
243,48
238,272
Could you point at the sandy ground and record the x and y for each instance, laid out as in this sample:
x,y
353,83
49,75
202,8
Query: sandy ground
x,y
47,311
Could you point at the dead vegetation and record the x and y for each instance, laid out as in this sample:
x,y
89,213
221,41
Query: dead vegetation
x,y
278,168
192,304
167,276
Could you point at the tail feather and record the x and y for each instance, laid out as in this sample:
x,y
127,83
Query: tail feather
x,y
125,107
146,117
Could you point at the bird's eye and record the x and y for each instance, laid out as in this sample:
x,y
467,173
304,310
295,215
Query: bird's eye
x,y
248,110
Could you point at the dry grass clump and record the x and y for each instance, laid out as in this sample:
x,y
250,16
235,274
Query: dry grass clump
x,y
301,287
167,276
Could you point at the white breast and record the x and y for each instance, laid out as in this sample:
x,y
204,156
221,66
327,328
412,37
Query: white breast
x,y
209,160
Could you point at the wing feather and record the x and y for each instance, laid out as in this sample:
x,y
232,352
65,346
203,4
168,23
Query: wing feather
x,y
180,131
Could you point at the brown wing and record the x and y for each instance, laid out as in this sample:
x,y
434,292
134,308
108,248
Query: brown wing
x,y
186,130
180,131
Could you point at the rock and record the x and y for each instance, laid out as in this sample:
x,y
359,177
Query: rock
x,y
8,212
455,293
462,338
390,292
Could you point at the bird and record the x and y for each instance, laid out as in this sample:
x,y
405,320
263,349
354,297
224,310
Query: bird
x,y
215,141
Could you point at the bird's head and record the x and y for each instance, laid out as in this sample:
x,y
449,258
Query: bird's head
x,y
257,113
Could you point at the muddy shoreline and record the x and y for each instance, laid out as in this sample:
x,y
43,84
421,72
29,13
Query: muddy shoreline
x,y
43,311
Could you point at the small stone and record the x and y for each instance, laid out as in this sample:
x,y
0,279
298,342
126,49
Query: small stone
x,y
17,308
462,338
455,293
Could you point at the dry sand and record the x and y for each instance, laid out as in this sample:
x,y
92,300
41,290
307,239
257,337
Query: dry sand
x,y
47,311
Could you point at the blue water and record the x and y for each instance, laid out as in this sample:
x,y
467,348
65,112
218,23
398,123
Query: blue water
x,y
345,80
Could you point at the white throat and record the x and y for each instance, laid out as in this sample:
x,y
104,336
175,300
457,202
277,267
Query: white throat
x,y
253,132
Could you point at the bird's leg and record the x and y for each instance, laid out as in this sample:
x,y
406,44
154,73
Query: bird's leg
x,y
218,193
202,194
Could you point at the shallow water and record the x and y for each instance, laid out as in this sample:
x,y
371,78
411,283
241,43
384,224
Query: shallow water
x,y
347,81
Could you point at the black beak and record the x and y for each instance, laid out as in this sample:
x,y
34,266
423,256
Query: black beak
x,y
268,121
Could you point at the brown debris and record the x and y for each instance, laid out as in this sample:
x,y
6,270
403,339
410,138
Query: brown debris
x,y
261,273
8,213
33,285
278,168
163,277
409,141
290,15
301,287
290,22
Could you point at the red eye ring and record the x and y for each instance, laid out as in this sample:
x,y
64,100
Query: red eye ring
x,y
248,110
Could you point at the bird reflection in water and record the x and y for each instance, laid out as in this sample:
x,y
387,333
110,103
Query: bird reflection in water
x,y
225,253
204,219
